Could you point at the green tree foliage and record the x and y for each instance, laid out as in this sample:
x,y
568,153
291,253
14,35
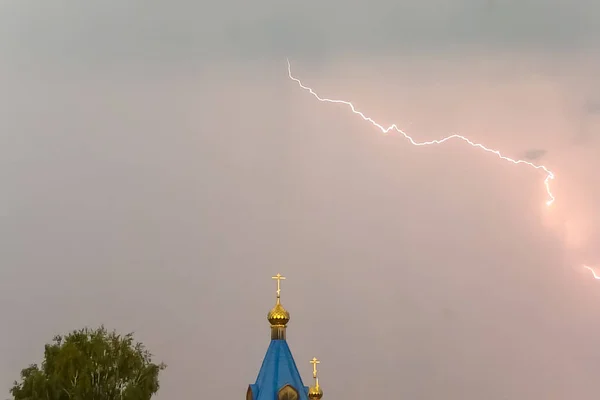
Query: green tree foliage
x,y
91,365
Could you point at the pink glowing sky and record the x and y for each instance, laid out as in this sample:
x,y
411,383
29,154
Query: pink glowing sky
x,y
159,167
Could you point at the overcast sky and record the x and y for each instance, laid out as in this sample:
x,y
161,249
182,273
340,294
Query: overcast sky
x,y
158,167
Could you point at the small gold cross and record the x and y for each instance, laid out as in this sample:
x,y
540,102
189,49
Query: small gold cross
x,y
278,277
314,362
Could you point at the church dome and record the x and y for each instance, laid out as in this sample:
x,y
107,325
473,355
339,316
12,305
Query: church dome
x,y
315,392
278,315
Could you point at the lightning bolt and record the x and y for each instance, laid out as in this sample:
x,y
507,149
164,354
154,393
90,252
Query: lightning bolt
x,y
384,130
549,174
596,276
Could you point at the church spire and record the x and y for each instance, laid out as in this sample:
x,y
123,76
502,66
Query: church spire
x,y
278,378
278,316
315,392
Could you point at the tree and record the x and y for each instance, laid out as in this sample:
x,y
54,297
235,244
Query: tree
x,y
91,365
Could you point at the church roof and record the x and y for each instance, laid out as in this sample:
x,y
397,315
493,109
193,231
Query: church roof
x,y
278,370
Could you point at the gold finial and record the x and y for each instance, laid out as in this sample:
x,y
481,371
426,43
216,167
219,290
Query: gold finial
x,y
278,316
278,277
315,392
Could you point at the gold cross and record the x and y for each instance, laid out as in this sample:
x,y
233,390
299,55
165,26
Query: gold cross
x,y
314,362
278,277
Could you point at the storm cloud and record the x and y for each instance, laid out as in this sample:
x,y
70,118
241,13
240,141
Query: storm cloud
x,y
158,167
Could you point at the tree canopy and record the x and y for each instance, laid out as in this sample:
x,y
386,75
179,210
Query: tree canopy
x,y
91,364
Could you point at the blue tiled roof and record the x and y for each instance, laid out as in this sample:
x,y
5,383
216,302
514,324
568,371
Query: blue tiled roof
x,y
278,369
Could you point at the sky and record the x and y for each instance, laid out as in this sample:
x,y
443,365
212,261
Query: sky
x,y
158,166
